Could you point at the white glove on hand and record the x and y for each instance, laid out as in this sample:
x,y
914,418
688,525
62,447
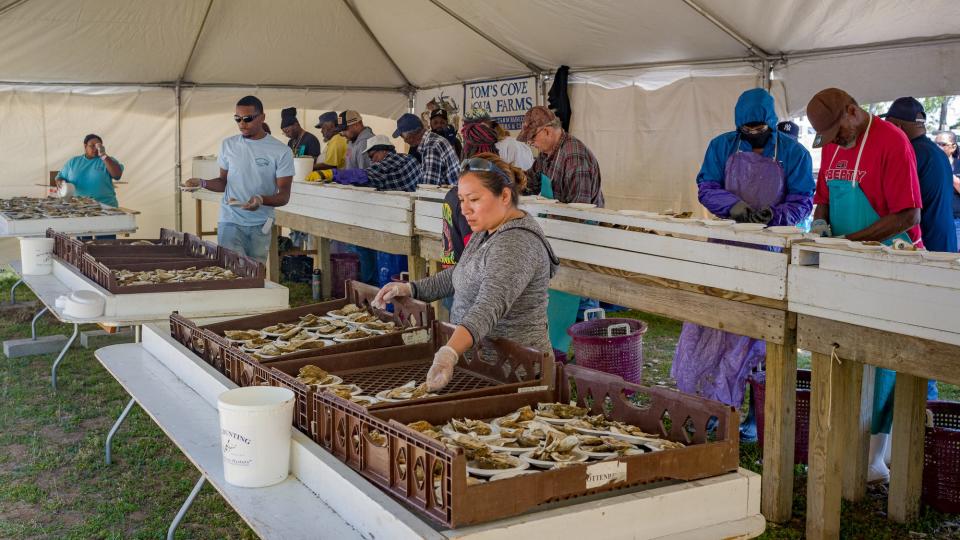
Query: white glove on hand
x,y
389,292
821,227
442,369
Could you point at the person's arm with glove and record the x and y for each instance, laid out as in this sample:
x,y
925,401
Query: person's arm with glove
x,y
427,289
320,176
710,184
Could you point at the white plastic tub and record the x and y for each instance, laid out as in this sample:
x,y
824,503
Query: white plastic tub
x,y
255,424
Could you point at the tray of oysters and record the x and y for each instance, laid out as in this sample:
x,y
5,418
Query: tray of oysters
x,y
531,440
311,331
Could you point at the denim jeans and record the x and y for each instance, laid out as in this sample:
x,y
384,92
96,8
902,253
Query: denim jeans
x,y
956,223
248,240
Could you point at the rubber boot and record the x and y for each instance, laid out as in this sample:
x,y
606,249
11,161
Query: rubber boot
x,y
748,428
888,450
877,470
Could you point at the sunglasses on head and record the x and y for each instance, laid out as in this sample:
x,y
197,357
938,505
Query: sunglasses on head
x,y
484,165
246,119
944,143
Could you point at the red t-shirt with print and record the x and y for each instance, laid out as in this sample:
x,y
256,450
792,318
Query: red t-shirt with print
x,y
887,171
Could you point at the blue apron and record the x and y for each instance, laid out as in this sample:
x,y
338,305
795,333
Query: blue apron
x,y
851,211
561,307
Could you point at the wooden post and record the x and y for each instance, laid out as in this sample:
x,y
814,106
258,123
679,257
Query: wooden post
x,y
417,267
323,262
826,421
858,411
273,256
438,307
779,428
198,208
906,460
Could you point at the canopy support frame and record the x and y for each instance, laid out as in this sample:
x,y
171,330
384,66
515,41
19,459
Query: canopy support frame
x,y
193,49
729,30
363,24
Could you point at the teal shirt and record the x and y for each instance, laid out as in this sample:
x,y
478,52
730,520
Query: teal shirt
x,y
91,178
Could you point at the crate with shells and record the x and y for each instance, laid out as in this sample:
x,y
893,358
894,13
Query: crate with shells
x,y
481,459
172,263
337,326
32,216
395,376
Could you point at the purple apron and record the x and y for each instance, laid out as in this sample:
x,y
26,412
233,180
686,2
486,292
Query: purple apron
x,y
710,362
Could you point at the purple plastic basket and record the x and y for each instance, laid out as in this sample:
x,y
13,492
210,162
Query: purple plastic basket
x,y
613,346
941,458
343,267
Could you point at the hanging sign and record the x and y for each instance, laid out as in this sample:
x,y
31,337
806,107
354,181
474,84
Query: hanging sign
x,y
507,100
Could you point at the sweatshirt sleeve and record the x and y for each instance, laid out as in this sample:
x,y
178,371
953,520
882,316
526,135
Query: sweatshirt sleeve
x,y
509,265
434,287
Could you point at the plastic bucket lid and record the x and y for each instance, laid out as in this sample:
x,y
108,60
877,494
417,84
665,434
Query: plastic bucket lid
x,y
254,398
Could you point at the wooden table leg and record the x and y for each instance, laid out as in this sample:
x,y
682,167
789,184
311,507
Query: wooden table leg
x,y
906,460
779,429
273,257
323,260
417,267
198,208
858,409
826,424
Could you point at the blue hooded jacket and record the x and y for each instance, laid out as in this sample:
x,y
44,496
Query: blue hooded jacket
x,y
756,105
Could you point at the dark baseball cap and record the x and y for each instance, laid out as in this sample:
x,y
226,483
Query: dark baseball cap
x,y
406,123
907,109
825,111
330,116
789,129
536,118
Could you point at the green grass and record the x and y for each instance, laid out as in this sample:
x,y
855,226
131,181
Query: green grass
x,y
54,483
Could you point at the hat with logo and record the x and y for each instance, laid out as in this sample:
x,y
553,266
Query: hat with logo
x,y
789,129
907,109
406,123
825,110
348,118
379,142
536,118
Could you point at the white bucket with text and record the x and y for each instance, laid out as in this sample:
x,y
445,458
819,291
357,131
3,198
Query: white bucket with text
x,y
36,256
255,425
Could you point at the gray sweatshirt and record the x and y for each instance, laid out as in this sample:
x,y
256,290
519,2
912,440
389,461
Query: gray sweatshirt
x,y
499,285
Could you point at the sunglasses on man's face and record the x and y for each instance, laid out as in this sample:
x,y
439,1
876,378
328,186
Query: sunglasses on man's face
x,y
245,119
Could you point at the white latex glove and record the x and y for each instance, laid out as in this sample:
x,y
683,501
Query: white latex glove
x,y
191,184
821,227
442,369
255,202
389,292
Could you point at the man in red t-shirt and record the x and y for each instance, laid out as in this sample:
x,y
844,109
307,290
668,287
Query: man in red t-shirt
x,y
867,189
853,140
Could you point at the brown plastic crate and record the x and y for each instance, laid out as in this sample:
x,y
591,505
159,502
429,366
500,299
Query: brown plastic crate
x,y
506,367
432,479
408,313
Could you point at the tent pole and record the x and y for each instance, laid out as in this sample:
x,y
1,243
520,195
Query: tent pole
x,y
727,29
177,176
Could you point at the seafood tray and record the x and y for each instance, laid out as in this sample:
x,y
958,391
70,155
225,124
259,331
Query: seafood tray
x,y
80,215
171,246
432,478
210,343
491,368
99,260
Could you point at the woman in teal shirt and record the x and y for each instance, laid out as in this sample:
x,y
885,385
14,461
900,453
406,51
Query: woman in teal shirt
x,y
93,173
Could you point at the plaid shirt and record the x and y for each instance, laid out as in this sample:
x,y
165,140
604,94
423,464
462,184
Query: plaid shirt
x,y
396,172
573,172
440,163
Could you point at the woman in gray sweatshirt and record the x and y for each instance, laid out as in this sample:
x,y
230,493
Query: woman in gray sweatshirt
x,y
499,285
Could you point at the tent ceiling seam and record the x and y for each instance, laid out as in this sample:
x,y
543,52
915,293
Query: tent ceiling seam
x,y
12,5
730,31
363,24
529,65
186,84
196,40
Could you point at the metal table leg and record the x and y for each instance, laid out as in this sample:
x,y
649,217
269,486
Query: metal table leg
x,y
63,352
137,336
186,506
33,323
14,288
116,426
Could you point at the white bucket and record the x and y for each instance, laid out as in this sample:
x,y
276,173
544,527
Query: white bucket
x,y
302,166
255,425
36,255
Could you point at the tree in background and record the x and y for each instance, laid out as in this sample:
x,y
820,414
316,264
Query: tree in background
x,y
938,110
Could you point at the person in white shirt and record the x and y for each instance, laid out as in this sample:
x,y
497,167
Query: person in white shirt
x,y
511,150
256,173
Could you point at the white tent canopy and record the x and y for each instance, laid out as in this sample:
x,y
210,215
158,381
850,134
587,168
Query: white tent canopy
x,y
67,64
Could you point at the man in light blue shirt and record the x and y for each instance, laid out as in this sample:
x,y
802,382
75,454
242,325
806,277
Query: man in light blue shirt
x,y
256,172
93,173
